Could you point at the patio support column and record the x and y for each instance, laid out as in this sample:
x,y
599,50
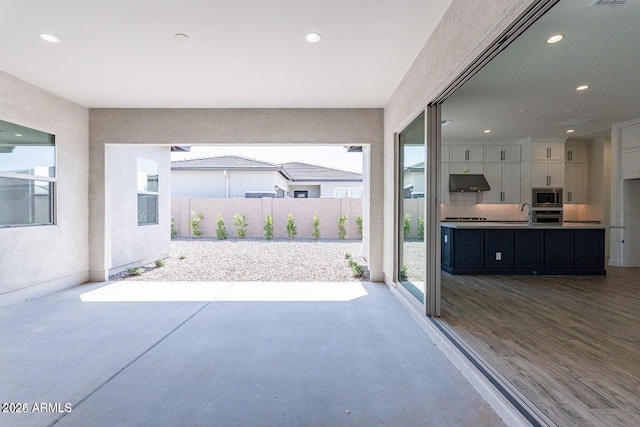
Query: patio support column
x,y
373,208
99,221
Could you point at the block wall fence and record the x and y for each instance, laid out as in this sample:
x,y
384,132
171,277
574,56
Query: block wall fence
x,y
256,211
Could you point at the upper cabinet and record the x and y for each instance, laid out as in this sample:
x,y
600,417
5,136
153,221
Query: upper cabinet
x,y
501,154
462,154
576,173
547,151
577,153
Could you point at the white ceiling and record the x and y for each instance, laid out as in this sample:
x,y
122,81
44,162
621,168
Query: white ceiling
x,y
240,53
601,48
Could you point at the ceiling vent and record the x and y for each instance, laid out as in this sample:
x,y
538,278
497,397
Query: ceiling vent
x,y
574,122
608,2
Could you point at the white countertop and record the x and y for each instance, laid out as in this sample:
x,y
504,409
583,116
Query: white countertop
x,y
503,225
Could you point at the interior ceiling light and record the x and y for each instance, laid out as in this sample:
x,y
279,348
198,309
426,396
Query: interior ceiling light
x,y
570,131
446,122
582,87
313,37
18,134
555,39
477,112
487,131
49,38
522,111
181,36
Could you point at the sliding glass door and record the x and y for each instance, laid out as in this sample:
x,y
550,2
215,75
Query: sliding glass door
x,y
411,215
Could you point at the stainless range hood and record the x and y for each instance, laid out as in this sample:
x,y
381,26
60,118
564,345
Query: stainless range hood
x,y
459,183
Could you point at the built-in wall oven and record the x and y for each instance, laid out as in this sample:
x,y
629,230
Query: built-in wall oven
x,y
551,217
546,198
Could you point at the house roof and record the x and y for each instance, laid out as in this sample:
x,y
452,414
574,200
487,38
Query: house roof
x,y
416,167
306,172
294,171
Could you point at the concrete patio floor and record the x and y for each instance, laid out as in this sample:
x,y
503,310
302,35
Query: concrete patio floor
x,y
228,354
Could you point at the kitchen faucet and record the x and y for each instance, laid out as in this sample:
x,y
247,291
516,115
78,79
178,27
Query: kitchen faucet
x,y
528,218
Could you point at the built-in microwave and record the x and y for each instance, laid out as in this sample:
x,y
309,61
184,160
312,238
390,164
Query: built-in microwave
x,y
546,198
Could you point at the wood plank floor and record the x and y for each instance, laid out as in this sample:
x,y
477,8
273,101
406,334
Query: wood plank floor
x,y
571,344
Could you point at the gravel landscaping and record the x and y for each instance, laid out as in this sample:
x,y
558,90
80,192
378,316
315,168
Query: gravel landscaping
x,y
281,260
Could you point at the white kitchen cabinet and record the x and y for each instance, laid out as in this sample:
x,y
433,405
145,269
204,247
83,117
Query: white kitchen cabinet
x,y
577,153
501,154
575,184
631,164
504,180
547,173
444,183
547,151
463,168
462,153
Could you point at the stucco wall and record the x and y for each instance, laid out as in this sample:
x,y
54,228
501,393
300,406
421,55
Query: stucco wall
x,y
237,126
185,183
38,260
132,244
466,29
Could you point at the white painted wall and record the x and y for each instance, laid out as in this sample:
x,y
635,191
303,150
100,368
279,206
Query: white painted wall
x,y
189,183
132,244
38,260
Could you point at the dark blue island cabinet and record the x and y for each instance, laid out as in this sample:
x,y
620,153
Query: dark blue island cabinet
x,y
517,249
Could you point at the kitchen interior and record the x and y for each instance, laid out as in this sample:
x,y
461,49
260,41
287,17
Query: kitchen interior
x,y
546,139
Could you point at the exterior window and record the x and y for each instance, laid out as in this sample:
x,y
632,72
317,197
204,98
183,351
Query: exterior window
x,y
27,176
147,191
300,194
352,192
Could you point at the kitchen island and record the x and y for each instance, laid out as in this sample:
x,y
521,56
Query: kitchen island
x,y
522,248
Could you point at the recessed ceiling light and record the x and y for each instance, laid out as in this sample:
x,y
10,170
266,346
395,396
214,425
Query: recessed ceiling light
x,y
583,87
18,134
570,131
49,38
477,112
181,36
446,122
487,131
555,39
522,111
568,111
313,37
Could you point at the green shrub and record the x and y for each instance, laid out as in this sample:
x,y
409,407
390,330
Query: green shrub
x,y
159,263
135,271
359,221
420,228
342,230
404,273
347,256
221,230
182,256
241,226
174,230
292,230
195,223
316,227
268,227
407,226
357,269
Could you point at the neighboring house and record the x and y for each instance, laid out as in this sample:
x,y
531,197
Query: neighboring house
x,y
317,181
228,177
236,176
414,181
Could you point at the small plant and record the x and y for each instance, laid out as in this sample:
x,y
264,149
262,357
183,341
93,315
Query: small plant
x,y
159,263
239,221
407,226
404,273
315,233
420,228
342,230
195,223
357,269
221,230
182,256
174,230
135,271
359,221
292,230
268,227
